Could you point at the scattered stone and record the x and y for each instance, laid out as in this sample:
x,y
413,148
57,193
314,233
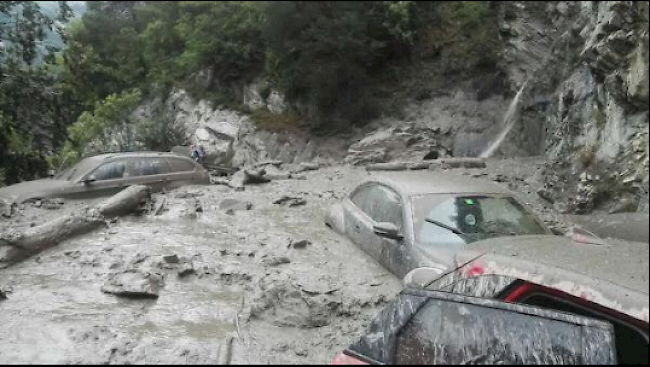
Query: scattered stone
x,y
276,261
171,259
310,166
3,295
247,176
290,201
186,270
72,254
546,195
6,209
234,205
133,284
223,252
299,245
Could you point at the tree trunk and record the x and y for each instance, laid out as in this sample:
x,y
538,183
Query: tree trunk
x,y
16,247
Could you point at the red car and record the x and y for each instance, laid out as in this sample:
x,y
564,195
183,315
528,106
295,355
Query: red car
x,y
518,300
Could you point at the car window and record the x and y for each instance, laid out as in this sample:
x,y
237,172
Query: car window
x,y
147,166
380,203
461,333
109,171
180,165
480,216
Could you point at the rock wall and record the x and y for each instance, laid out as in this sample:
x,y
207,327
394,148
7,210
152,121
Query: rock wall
x,y
586,102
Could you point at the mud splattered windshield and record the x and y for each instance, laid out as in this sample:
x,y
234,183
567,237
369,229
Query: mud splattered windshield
x,y
453,220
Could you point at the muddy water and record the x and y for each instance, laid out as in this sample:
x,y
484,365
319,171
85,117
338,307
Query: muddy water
x,y
305,311
302,312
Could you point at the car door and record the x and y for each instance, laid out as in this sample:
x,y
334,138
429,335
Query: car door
x,y
148,171
181,173
423,327
370,205
388,207
105,180
358,222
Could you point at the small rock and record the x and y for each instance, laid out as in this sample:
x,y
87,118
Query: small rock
x,y
546,195
3,295
72,254
234,205
299,245
276,261
290,201
171,259
186,270
133,284
223,252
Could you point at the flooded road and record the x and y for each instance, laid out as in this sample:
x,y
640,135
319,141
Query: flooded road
x,y
234,301
243,281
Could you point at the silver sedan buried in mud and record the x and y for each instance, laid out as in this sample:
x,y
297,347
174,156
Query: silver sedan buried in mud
x,y
409,220
108,174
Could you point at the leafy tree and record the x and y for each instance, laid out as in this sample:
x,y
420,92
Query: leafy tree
x,y
27,87
224,36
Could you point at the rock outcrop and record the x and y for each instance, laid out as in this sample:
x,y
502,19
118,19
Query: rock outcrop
x,y
585,106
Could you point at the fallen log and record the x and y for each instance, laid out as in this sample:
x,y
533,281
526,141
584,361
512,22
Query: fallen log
x,y
15,247
449,163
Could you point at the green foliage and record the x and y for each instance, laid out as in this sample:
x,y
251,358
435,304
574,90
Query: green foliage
x,y
323,53
29,89
222,35
465,33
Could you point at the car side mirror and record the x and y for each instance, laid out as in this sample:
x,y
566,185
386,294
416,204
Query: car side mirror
x,y
89,180
387,230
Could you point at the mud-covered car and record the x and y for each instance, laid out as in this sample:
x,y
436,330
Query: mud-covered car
x,y
408,220
534,300
108,174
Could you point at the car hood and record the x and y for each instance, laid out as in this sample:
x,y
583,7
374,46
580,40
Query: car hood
x,y
29,189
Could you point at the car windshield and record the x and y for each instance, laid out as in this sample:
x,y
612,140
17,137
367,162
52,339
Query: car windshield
x,y
452,220
78,170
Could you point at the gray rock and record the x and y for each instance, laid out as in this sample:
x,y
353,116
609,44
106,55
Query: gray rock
x,y
234,205
171,259
290,201
299,245
276,261
3,295
133,284
187,269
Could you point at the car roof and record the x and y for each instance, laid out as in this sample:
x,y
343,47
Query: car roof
x,y
426,182
105,156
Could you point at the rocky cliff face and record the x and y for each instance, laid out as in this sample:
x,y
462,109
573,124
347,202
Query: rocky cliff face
x,y
585,103
580,74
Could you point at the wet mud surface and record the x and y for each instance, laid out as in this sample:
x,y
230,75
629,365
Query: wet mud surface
x,y
221,276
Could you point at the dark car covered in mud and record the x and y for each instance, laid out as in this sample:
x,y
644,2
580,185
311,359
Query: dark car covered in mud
x,y
518,300
108,174
409,220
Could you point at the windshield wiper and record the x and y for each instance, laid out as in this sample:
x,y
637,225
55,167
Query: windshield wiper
x,y
451,229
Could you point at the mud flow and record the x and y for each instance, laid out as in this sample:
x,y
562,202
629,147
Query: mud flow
x,y
271,284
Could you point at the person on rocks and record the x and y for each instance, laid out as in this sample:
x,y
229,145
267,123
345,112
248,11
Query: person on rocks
x,y
198,153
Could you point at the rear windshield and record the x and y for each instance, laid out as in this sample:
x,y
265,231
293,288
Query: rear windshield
x,y
477,216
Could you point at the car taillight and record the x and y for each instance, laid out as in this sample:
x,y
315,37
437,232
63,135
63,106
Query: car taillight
x,y
346,360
